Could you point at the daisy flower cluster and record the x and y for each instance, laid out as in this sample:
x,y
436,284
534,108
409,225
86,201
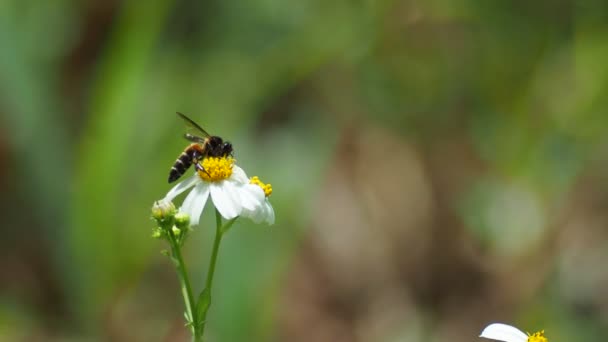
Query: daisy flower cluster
x,y
233,194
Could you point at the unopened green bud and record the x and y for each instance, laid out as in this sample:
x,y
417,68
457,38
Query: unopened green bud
x,y
176,231
163,209
157,233
182,220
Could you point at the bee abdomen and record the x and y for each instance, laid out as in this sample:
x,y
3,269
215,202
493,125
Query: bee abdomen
x,y
182,163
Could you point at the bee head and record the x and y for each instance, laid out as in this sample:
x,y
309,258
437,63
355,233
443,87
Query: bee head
x,y
227,148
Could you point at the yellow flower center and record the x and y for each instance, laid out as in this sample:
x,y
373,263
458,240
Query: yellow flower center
x,y
266,187
215,169
537,337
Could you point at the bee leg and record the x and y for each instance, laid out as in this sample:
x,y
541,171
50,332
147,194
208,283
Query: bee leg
x,y
197,157
199,167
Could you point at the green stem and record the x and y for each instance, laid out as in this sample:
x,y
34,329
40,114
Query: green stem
x,y
185,286
205,297
211,272
216,247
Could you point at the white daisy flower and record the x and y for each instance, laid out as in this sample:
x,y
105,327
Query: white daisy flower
x,y
224,181
507,333
264,211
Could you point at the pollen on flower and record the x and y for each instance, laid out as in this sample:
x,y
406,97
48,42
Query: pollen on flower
x,y
266,187
215,169
537,337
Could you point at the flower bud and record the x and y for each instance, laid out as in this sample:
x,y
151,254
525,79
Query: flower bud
x,y
163,209
182,220
157,233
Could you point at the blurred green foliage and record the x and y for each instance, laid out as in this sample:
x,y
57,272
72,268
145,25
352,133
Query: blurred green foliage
x,y
87,96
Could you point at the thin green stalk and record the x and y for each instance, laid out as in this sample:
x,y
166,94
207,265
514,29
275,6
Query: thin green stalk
x,y
211,272
185,286
204,299
216,247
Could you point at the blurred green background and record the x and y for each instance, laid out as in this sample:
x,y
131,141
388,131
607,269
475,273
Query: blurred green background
x,y
436,165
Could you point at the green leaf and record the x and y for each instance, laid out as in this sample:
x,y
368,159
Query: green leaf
x,y
202,305
188,318
227,225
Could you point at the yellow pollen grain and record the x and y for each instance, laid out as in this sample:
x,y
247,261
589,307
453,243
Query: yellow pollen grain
x,y
537,337
266,187
215,168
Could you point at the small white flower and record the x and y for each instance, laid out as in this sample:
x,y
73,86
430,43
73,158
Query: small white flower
x,y
224,181
507,333
264,211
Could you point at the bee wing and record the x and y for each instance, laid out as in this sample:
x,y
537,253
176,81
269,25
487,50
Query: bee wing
x,y
194,125
195,138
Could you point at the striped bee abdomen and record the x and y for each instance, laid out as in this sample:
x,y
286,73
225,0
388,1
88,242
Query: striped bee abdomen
x,y
184,161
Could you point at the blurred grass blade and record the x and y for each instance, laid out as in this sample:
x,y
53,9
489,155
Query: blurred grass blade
x,y
99,207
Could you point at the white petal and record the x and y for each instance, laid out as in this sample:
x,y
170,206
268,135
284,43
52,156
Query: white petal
x,y
262,213
252,196
235,191
195,202
269,213
257,215
225,199
503,332
239,175
182,186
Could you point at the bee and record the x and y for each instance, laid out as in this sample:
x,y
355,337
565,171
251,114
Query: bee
x,y
202,146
